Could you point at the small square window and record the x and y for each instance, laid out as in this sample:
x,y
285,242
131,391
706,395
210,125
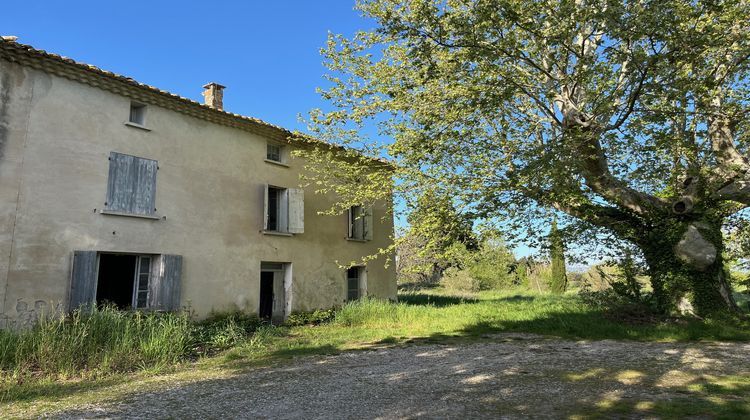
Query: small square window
x,y
273,152
137,113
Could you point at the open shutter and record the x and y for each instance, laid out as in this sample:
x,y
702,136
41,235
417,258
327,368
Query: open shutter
x,y
265,207
282,223
296,210
166,283
83,280
367,223
144,186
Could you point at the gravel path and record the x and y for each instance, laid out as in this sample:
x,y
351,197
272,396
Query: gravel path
x,y
510,376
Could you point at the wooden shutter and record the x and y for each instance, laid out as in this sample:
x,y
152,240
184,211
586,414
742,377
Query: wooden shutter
x,y
144,186
83,280
265,207
166,283
120,182
131,187
367,225
296,210
282,214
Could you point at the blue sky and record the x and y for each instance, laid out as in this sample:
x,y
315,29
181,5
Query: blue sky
x,y
265,52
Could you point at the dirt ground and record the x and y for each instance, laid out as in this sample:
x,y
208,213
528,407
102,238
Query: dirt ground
x,y
503,376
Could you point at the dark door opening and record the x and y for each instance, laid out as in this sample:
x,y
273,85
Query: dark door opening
x,y
265,310
115,282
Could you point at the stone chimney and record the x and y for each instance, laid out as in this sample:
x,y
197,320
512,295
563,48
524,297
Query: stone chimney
x,y
213,95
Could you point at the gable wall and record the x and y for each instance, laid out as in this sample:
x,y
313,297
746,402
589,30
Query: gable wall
x,y
209,188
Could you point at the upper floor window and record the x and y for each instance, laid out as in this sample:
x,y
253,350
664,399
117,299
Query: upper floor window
x,y
131,186
274,152
283,210
137,113
360,223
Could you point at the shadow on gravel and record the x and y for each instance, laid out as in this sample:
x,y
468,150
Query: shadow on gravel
x,y
525,377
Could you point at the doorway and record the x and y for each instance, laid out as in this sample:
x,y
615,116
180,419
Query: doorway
x,y
275,290
265,309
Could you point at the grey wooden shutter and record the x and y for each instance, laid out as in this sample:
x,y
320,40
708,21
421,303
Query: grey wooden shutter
x,y
144,186
296,210
120,182
367,223
131,187
166,283
83,280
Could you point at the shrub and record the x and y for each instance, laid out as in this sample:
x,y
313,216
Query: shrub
x,y
460,280
221,331
315,317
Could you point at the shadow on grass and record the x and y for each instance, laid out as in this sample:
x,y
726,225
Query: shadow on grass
x,y
19,392
424,299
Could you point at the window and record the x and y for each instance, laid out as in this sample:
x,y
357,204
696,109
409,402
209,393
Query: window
x,y
140,289
137,113
283,210
126,281
360,223
131,187
355,283
273,152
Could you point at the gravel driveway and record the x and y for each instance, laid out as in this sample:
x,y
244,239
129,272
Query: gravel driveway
x,y
509,375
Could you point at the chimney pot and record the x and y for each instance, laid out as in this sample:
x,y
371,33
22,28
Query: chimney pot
x,y
213,95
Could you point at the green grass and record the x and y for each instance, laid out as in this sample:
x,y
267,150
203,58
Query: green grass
x,y
88,352
437,316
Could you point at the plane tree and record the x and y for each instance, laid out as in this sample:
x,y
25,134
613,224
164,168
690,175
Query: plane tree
x,y
628,116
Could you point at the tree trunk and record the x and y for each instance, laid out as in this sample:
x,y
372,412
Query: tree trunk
x,y
685,265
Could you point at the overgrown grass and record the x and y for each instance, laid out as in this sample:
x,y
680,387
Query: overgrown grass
x,y
109,342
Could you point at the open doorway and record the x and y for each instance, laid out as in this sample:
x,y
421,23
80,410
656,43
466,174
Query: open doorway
x,y
356,283
275,285
123,280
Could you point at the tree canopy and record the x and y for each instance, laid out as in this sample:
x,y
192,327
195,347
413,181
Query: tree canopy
x,y
628,116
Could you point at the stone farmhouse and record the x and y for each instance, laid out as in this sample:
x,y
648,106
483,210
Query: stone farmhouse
x,y
115,191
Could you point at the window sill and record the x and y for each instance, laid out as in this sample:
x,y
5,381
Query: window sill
x,y
136,125
276,162
356,240
139,216
275,233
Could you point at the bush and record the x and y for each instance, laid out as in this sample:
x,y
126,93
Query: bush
x,y
221,331
315,317
459,280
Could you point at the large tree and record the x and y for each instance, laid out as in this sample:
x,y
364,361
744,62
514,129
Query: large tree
x,y
628,116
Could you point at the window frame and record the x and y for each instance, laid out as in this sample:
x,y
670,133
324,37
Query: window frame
x,y
279,153
137,114
363,220
286,206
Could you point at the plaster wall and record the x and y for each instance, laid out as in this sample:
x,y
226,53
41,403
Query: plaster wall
x,y
55,139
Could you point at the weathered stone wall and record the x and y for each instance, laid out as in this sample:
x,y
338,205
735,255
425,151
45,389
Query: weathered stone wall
x,y
56,140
